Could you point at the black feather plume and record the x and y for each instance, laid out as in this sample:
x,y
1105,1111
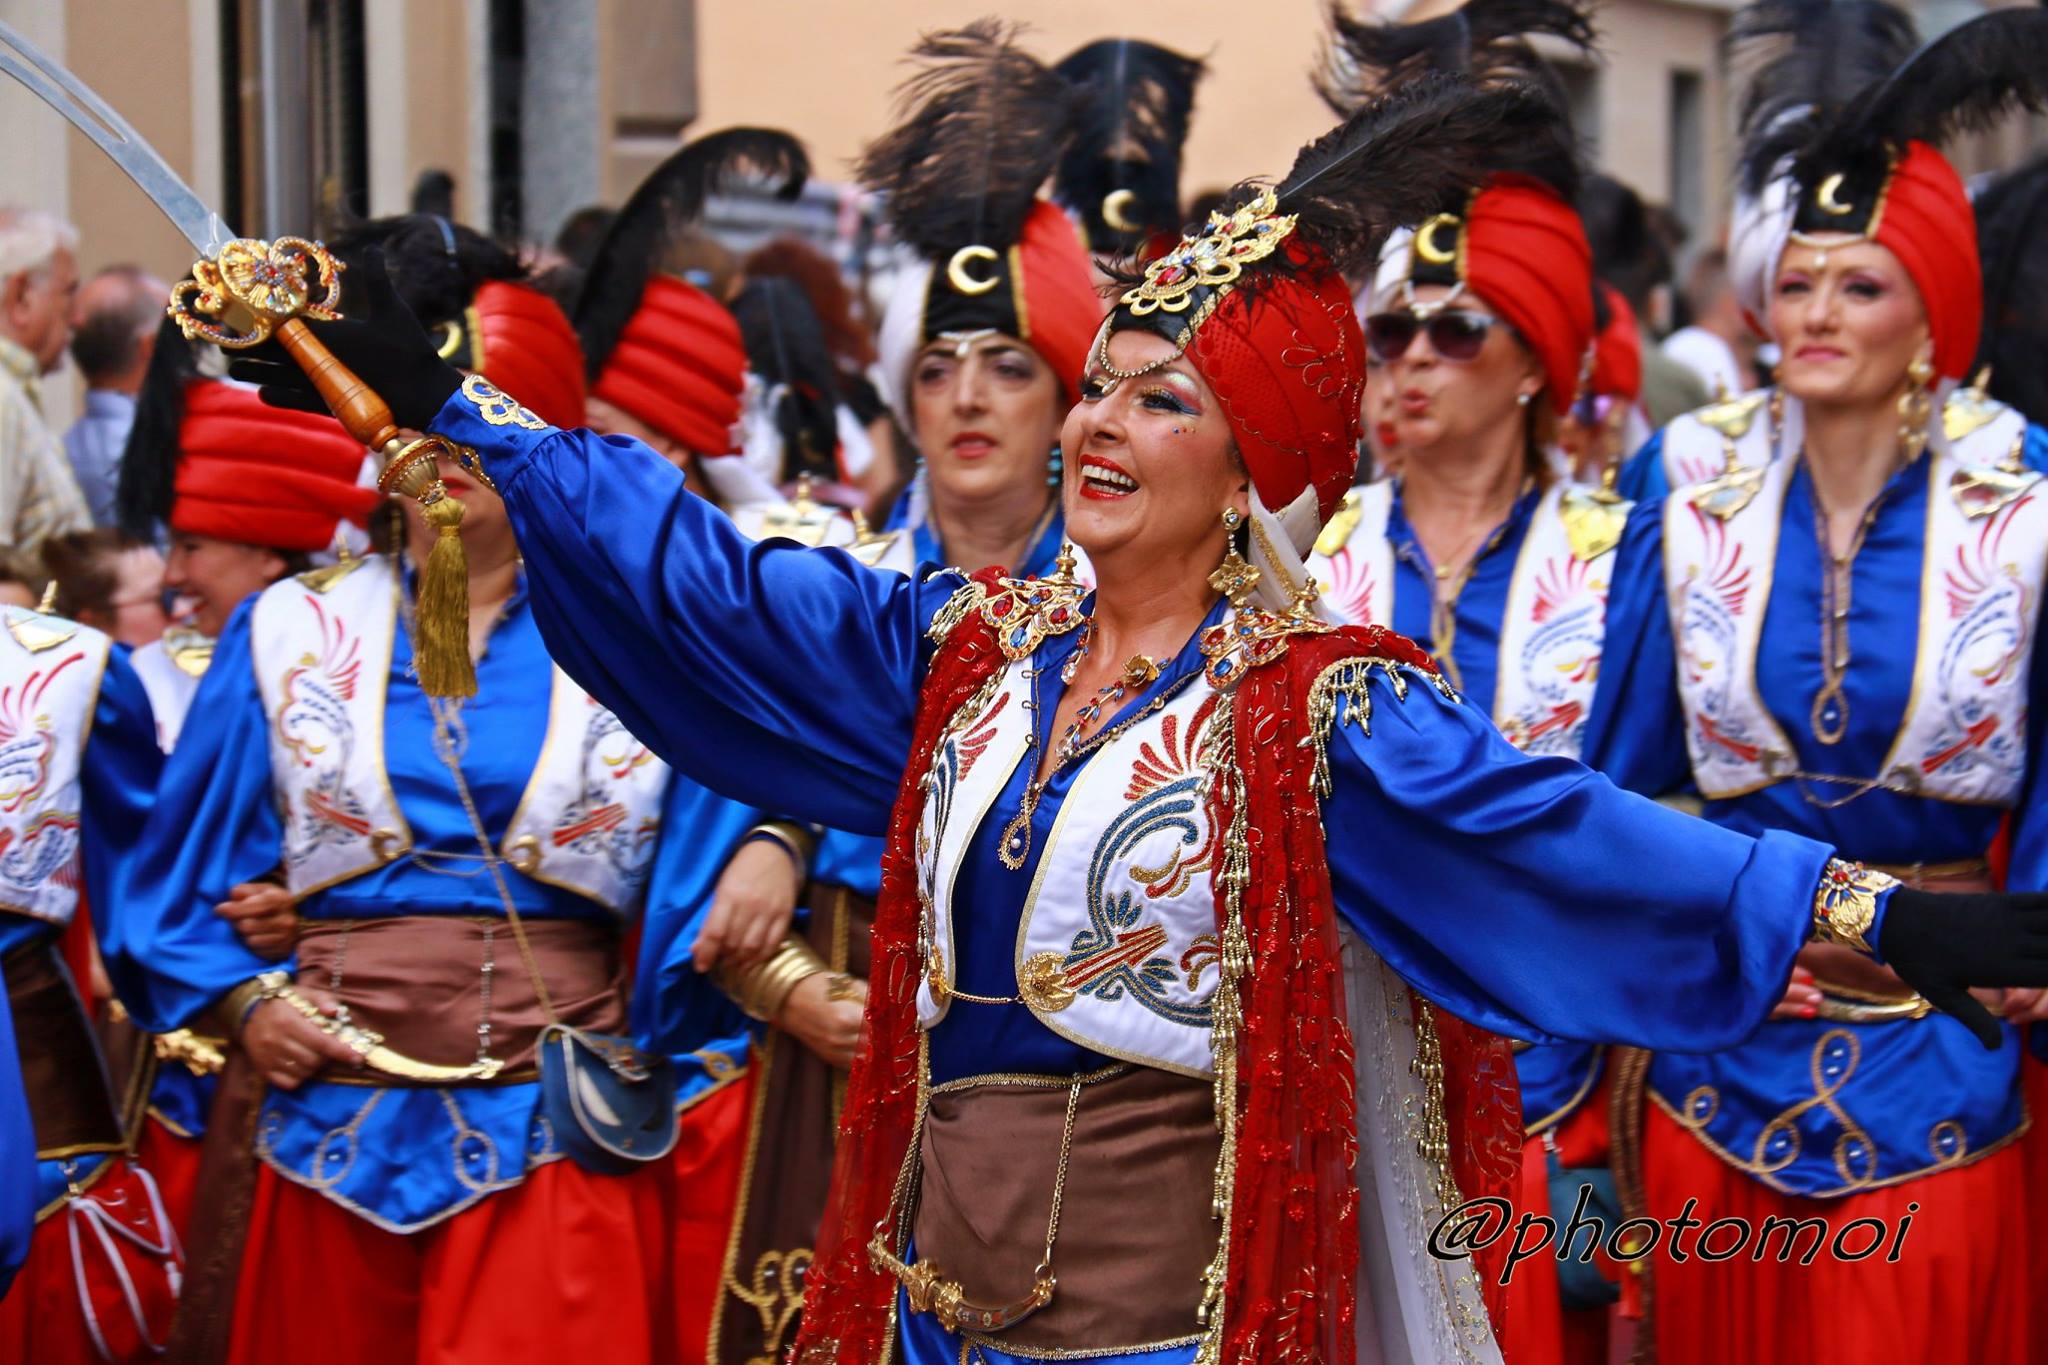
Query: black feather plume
x,y
1964,81
1486,40
667,201
2012,240
1409,153
1136,101
1802,63
979,129
786,347
149,462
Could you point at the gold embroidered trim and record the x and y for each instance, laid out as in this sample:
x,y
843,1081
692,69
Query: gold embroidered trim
x,y
1349,680
1845,904
1219,758
497,407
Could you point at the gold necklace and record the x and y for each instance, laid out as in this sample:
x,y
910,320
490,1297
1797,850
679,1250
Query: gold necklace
x,y
1014,850
1829,716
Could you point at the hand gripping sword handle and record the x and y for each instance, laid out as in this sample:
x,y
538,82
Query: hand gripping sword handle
x,y
354,404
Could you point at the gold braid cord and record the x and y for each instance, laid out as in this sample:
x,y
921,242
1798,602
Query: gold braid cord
x,y
1219,757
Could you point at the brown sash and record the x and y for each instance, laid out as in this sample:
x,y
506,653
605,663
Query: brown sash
x,y
1136,1229
70,1098
789,1158
419,980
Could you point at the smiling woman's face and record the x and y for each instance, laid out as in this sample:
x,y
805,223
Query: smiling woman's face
x,y
1150,464
986,413
1849,319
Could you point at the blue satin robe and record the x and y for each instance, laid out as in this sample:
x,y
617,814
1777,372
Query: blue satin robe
x,y
117,778
407,1163
1897,1081
18,1176
1555,1077
1445,842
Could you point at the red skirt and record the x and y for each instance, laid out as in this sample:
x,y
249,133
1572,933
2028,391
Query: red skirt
x,y
1539,1330
563,1267
1957,1292
174,1161
711,1146
100,1279
2034,1088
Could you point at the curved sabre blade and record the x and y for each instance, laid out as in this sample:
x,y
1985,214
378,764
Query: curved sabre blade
x,y
94,117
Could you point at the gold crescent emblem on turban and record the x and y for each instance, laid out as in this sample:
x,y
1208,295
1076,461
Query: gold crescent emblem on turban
x,y
1825,197
1116,206
1426,244
447,337
962,279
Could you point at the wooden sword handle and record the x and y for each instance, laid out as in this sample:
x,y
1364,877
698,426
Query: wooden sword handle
x,y
355,404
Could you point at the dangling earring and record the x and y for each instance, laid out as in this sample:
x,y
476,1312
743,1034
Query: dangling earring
x,y
1235,577
1916,405
1053,466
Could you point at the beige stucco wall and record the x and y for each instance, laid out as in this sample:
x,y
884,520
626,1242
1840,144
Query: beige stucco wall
x,y
824,68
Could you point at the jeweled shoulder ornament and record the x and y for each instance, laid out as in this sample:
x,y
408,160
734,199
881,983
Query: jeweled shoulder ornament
x,y
244,292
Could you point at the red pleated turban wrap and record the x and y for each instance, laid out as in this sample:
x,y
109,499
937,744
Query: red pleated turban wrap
x,y
260,475
679,367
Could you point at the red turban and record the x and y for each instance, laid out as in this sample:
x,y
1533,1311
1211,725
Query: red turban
x,y
1287,362
522,343
260,475
1524,252
1618,351
1058,308
1926,221
679,367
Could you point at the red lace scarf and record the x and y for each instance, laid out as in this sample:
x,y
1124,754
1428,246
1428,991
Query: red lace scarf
x,y
1285,1279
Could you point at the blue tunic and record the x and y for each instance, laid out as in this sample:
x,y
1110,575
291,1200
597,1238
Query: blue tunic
x,y
1445,842
117,777
401,1158
18,1175
1899,1098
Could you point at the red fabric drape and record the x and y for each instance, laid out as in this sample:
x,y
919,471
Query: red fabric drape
x,y
42,1318
711,1148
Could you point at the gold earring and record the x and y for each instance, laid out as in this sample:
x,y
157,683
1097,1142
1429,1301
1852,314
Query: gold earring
x,y
1916,405
1236,576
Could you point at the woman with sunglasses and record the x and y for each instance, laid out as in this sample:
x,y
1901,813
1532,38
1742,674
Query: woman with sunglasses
x,y
1117,963
1839,636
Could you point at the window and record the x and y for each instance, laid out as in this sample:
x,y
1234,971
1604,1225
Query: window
x,y
1688,156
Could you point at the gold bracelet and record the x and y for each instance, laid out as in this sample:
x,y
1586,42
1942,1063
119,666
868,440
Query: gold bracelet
x,y
800,843
1845,904
236,1006
762,989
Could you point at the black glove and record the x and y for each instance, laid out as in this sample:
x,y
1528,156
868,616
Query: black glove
x,y
377,337
1943,945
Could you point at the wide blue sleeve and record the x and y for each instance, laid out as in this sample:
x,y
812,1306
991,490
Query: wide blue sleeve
x,y
1636,732
1642,474
17,1157
214,823
676,1009
117,781
1535,898
776,675
2034,453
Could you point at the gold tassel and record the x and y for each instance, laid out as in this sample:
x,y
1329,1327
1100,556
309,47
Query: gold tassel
x,y
440,646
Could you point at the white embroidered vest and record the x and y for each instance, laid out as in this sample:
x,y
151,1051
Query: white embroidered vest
x,y
170,670
1119,928
897,552
50,671
322,642
1555,623
1963,737
1759,427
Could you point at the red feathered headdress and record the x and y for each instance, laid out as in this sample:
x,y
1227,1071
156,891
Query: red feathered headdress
x,y
679,366
523,343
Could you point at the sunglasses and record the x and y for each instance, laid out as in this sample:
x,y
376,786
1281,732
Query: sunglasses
x,y
1455,334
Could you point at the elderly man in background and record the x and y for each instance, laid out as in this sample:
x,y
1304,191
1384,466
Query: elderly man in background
x,y
38,281
114,331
